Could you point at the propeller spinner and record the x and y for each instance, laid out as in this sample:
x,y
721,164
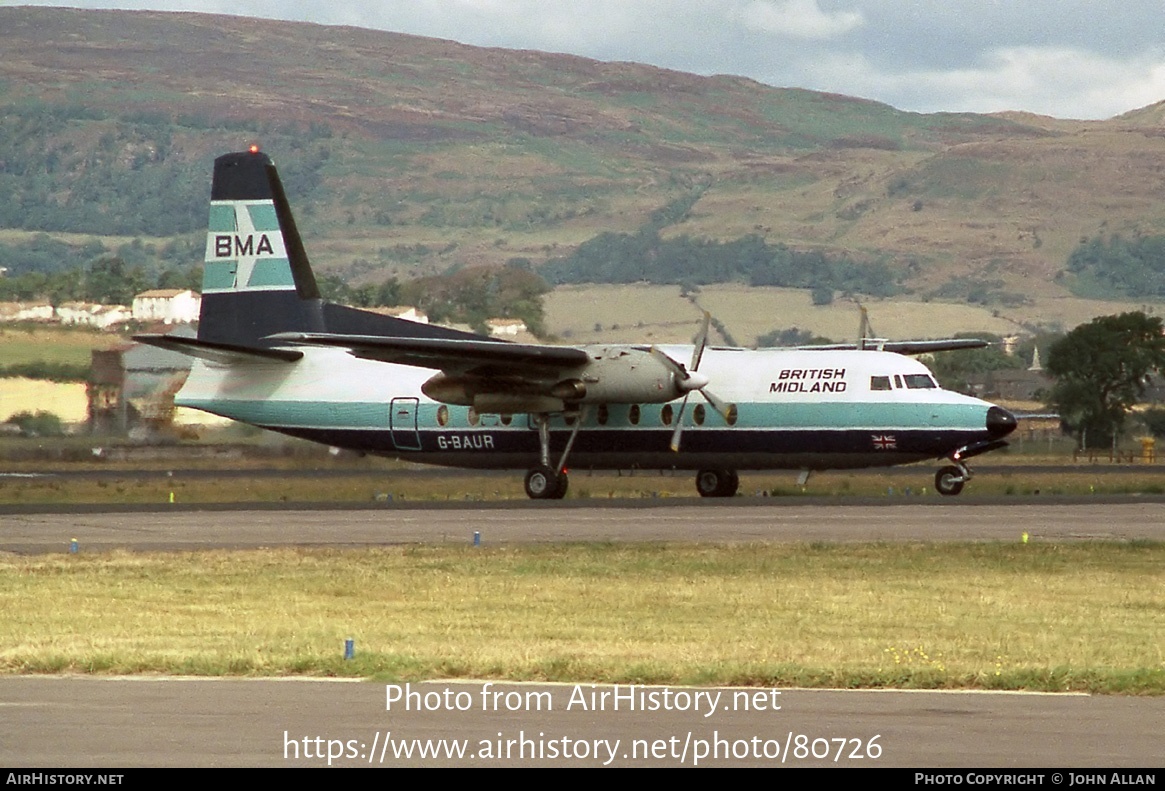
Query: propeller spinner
x,y
689,379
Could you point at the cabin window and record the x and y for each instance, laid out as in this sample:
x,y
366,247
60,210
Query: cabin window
x,y
732,415
472,417
604,414
880,383
633,414
507,419
920,382
898,381
442,415
698,415
666,414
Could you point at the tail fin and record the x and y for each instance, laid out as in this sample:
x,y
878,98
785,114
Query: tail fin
x,y
256,279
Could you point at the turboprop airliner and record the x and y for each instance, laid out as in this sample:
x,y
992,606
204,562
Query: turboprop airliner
x,y
270,352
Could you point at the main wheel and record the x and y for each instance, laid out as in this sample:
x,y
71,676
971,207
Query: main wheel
x,y
949,481
717,483
543,483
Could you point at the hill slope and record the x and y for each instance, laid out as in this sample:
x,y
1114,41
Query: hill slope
x,y
408,155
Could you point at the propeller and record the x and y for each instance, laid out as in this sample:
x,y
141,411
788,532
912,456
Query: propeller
x,y
689,379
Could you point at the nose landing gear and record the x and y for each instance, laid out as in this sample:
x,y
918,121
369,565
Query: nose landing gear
x,y
949,480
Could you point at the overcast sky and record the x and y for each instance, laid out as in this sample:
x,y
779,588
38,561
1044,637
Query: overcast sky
x,y
1065,58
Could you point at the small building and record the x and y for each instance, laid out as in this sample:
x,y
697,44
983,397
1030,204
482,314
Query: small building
x,y
132,387
93,314
1017,385
167,305
36,310
505,328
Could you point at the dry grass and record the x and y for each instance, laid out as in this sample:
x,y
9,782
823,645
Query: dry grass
x,y
67,401
1016,616
639,313
52,344
381,484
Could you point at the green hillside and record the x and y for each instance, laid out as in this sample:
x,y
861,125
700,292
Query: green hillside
x,y
406,156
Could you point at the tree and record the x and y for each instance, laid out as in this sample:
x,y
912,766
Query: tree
x,y
1101,369
957,369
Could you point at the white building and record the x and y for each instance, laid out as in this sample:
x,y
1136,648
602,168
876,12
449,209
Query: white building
x,y
505,328
40,310
93,314
167,305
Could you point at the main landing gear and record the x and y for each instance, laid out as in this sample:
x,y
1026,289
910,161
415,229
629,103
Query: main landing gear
x,y
545,482
717,483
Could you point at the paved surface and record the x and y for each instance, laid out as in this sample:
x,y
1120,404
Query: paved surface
x,y
184,722
71,721
192,529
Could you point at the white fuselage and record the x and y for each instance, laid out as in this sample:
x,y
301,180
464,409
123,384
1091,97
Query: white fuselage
x,y
792,409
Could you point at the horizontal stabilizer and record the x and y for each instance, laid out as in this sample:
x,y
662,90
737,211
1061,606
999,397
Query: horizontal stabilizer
x,y
450,355
903,347
222,353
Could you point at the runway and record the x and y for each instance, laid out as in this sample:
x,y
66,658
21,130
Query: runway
x,y
94,722
1121,519
103,722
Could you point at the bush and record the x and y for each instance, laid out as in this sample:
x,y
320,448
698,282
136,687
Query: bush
x,y
40,424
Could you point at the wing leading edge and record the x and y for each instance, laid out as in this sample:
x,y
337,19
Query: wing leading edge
x,y
902,347
478,357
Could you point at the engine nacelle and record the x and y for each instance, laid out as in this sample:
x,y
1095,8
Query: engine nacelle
x,y
626,375
613,375
489,395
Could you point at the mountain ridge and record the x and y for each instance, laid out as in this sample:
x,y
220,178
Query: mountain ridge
x,y
411,155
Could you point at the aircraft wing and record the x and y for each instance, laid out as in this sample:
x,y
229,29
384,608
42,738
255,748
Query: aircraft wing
x,y
478,357
222,353
904,347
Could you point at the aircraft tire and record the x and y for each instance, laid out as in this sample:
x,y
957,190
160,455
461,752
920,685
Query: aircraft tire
x,y
717,483
949,481
542,483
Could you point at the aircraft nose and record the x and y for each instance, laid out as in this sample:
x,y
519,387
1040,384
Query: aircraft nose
x,y
1000,422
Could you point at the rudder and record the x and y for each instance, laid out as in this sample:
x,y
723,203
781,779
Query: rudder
x,y
256,279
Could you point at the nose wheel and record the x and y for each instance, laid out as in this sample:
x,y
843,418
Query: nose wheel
x,y
949,480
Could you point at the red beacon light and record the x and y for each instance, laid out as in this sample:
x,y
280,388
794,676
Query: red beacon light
x,y
254,148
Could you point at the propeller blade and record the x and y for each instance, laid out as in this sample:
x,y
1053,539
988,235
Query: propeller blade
x,y
681,379
701,342
679,370
716,403
675,435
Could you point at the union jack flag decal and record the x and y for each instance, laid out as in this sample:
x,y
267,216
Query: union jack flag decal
x,y
885,442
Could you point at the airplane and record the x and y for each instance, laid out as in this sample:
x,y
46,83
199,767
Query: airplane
x,y
270,352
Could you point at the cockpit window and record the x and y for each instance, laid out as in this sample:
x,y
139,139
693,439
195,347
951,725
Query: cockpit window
x,y
880,383
919,382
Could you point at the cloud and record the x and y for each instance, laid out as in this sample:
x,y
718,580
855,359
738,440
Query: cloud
x,y
1060,81
1068,58
798,19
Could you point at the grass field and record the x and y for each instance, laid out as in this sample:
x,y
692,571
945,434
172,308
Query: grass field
x,y
381,485
638,313
52,344
1046,617
67,401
